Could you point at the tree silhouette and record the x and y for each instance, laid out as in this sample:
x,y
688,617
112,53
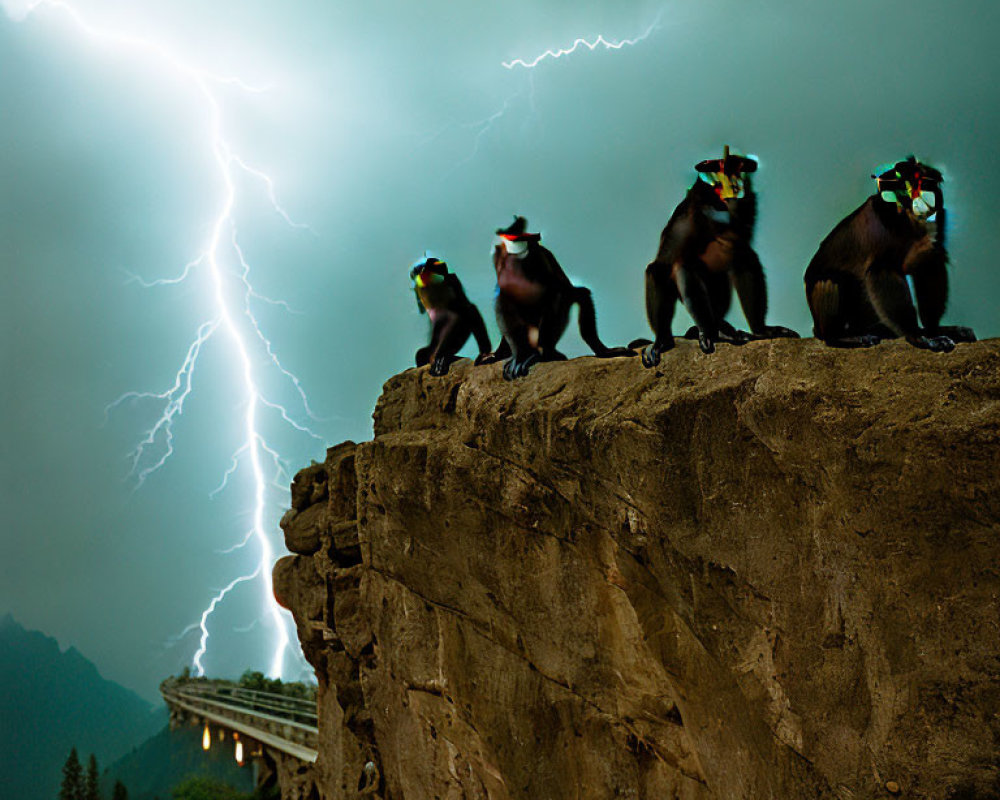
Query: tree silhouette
x,y
72,782
119,792
91,785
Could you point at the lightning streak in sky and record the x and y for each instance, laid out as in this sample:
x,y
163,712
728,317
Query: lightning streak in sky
x,y
600,41
229,274
484,126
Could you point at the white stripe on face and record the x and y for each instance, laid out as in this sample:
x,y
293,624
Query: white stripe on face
x,y
515,248
920,206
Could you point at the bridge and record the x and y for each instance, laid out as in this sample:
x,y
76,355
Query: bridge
x,y
284,724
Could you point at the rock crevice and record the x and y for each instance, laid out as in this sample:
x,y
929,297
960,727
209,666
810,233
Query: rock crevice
x,y
773,572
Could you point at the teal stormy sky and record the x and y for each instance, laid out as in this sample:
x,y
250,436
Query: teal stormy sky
x,y
388,128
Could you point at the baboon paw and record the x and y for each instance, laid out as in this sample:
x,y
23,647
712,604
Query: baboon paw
x,y
940,344
527,364
732,335
440,366
960,333
513,369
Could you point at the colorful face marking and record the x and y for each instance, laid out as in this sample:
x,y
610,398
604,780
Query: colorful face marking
x,y
428,272
727,175
727,187
910,185
517,244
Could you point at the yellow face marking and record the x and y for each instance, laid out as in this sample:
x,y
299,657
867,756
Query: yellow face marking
x,y
728,187
426,278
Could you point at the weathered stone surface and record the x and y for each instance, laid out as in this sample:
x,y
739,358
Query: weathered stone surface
x,y
304,529
309,486
343,482
322,589
773,572
300,588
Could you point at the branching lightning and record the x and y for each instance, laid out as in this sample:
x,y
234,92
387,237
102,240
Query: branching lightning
x,y
228,275
225,269
484,126
203,623
592,45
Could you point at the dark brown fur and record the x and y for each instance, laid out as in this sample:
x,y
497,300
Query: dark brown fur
x,y
704,254
533,301
857,283
453,318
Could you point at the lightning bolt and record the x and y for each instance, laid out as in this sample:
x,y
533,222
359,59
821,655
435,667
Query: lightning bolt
x,y
234,319
600,41
203,623
482,127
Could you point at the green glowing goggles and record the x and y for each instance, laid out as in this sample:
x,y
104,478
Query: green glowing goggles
x,y
908,183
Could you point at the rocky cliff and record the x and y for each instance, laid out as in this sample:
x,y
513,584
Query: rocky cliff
x,y
773,572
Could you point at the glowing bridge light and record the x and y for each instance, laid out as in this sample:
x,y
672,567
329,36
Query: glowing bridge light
x,y
228,274
591,45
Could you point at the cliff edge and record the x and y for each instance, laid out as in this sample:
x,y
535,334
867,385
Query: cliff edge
x,y
772,572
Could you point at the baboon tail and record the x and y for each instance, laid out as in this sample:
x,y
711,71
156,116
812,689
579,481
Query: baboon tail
x,y
588,319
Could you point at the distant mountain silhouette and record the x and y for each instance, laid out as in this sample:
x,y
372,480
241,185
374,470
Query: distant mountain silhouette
x,y
160,763
51,701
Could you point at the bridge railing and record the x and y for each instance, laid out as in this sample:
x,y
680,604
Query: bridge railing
x,y
293,709
286,724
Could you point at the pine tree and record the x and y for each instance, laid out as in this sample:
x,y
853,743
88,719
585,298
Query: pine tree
x,y
91,786
72,782
120,792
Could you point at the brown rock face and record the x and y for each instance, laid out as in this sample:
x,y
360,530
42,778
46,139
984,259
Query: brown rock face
x,y
772,572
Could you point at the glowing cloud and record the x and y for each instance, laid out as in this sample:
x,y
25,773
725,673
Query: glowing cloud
x,y
18,10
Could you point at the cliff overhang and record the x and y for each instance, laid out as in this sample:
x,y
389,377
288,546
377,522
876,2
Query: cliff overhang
x,y
772,572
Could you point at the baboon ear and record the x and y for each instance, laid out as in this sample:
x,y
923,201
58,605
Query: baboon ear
x,y
709,165
517,227
729,165
931,174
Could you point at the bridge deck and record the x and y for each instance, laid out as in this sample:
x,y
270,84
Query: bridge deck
x,y
282,723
